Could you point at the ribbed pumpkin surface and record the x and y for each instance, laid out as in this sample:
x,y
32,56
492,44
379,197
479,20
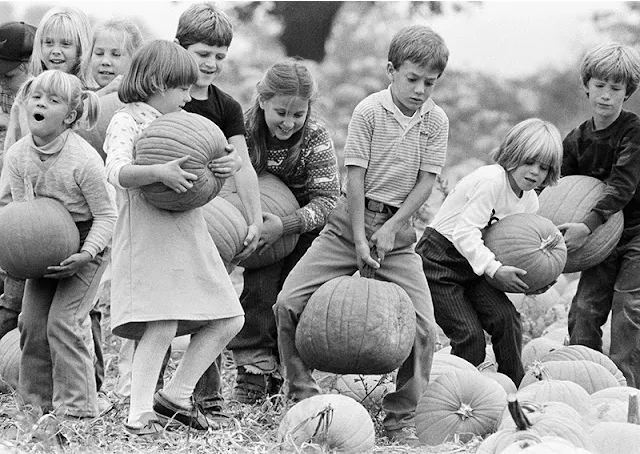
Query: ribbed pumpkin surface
x,y
275,198
35,235
570,201
172,136
357,325
459,402
9,361
337,423
227,227
565,391
580,352
530,242
591,376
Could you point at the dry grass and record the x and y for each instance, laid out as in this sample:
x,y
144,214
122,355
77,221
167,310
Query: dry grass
x,y
250,429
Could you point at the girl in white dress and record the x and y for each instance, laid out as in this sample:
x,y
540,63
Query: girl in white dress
x,y
167,276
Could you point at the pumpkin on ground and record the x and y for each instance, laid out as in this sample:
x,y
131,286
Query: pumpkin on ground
x,y
503,380
337,423
275,198
544,445
564,391
581,352
536,349
526,430
34,235
537,311
444,361
459,402
227,227
357,325
175,135
591,376
570,201
369,390
616,438
530,242
9,361
534,411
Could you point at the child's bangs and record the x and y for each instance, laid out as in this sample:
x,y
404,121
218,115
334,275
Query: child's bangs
x,y
181,70
612,70
60,27
53,83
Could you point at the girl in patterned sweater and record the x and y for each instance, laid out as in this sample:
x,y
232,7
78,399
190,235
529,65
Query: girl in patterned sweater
x,y
56,366
285,139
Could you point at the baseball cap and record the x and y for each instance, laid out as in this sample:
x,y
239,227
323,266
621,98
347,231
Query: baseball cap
x,y
16,44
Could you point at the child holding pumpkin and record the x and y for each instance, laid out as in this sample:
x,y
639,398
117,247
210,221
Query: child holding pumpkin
x,y
395,147
56,366
286,139
607,147
455,259
167,277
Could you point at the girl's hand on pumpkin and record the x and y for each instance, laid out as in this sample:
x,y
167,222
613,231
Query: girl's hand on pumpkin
x,y
70,266
272,230
226,166
510,278
575,234
250,244
173,176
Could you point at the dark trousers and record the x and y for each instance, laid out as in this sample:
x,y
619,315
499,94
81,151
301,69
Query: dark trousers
x,y
612,286
256,344
466,305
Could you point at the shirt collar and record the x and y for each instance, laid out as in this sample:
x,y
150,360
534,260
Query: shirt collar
x,y
54,146
387,102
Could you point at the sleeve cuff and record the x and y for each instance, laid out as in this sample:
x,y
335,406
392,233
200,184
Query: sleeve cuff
x,y
593,221
291,224
492,268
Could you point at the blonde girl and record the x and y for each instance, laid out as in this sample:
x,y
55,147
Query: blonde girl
x,y
61,42
56,366
167,276
113,44
456,260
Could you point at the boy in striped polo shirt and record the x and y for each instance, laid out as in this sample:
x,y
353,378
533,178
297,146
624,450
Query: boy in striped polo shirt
x,y
396,146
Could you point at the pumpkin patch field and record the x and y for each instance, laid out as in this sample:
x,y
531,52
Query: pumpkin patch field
x,y
572,400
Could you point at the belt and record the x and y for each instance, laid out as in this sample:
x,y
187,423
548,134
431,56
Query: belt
x,y
379,207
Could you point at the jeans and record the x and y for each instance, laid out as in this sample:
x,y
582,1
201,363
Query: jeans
x,y
332,255
612,286
56,365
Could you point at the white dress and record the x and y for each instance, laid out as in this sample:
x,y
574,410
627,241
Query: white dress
x,y
165,265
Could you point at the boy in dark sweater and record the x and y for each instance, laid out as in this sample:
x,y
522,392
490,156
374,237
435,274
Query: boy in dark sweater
x,y
607,147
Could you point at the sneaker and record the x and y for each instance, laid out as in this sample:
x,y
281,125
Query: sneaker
x,y
169,412
253,388
404,435
152,429
212,404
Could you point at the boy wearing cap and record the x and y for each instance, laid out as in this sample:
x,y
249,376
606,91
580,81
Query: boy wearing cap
x,y
16,45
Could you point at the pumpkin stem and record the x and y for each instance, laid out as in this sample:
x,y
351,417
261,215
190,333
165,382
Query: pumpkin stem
x,y
549,243
324,422
519,417
538,370
465,411
632,416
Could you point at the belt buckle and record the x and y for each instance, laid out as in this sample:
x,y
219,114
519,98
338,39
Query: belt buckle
x,y
374,205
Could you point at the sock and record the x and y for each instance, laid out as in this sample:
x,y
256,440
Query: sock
x,y
147,361
204,348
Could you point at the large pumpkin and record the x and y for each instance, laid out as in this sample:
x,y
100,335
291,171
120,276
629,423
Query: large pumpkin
x,y
275,198
357,325
459,402
9,361
337,423
564,391
591,376
34,235
172,136
227,227
581,352
530,242
570,201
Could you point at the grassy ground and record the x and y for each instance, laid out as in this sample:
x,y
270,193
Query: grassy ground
x,y
250,429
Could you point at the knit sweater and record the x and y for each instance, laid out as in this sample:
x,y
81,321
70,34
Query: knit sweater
x,y
314,182
611,155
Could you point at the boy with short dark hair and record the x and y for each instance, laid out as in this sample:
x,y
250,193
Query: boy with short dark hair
x,y
206,33
607,147
396,146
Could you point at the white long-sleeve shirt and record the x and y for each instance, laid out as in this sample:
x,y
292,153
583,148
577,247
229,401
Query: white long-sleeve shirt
x,y
479,200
